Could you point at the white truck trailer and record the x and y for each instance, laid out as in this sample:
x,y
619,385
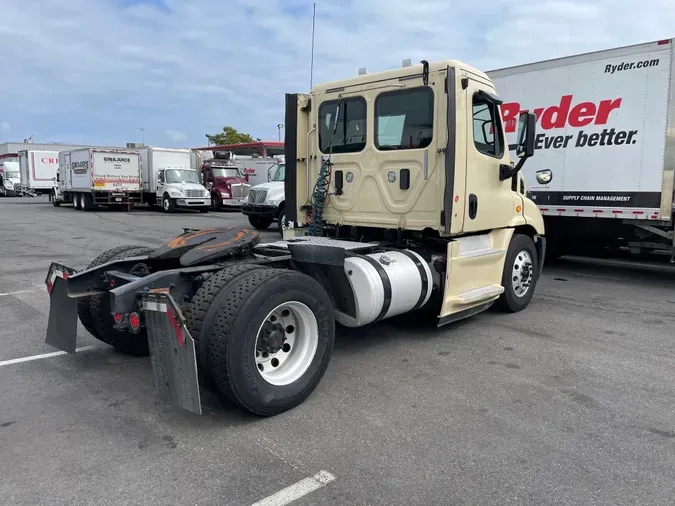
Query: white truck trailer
x,y
170,181
91,177
606,123
38,170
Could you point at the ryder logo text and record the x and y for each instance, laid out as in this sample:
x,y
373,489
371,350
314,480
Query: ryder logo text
x,y
567,113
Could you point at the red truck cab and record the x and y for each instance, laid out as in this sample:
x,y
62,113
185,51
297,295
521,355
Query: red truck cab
x,y
228,186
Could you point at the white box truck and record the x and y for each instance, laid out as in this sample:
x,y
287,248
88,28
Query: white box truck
x,y
606,129
10,179
91,177
170,181
38,170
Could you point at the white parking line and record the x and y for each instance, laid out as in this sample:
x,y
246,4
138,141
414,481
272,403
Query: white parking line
x,y
44,355
297,490
20,291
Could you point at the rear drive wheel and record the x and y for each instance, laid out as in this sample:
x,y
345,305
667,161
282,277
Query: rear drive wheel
x,y
259,223
272,340
83,304
76,201
103,322
205,303
519,277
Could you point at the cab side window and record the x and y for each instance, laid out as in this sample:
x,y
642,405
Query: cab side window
x,y
404,119
349,134
487,122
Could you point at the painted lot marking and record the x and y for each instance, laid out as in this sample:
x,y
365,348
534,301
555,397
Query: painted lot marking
x,y
40,357
20,291
297,490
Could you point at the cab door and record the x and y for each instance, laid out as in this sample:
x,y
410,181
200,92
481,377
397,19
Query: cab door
x,y
489,202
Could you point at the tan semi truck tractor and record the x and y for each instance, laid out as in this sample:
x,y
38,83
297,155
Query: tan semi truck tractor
x,y
401,196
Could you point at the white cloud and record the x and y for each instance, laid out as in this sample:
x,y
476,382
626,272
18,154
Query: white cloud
x,y
176,136
154,63
5,127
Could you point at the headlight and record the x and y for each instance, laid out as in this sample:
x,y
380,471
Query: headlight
x,y
174,193
225,194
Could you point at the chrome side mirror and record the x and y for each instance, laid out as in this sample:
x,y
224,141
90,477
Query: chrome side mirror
x,y
544,176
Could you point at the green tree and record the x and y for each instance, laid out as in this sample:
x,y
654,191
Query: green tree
x,y
230,135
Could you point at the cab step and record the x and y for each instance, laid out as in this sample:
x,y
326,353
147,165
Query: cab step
x,y
481,294
474,274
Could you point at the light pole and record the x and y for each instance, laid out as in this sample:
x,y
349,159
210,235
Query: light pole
x,y
142,136
279,127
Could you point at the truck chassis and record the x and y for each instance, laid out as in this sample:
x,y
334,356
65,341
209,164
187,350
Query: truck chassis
x,y
257,320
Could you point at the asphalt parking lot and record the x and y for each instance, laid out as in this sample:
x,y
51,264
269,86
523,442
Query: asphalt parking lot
x,y
569,402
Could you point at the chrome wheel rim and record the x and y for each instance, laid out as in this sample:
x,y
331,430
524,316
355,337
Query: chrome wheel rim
x,y
286,343
522,273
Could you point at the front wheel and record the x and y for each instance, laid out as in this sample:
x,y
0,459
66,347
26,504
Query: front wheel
x,y
519,277
168,204
282,221
259,223
272,340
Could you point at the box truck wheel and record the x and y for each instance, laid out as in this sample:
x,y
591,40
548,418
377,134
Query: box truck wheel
x,y
272,340
519,277
168,204
103,322
55,201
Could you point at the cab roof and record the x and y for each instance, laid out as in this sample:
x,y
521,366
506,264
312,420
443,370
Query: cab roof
x,y
397,73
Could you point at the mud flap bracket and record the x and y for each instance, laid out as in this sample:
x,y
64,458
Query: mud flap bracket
x,y
172,352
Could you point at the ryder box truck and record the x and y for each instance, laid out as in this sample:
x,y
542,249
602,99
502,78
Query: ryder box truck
x,y
606,130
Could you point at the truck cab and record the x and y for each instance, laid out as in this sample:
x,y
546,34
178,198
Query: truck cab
x,y
180,187
225,182
266,202
419,154
10,179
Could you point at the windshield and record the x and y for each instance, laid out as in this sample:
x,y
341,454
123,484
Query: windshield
x,y
279,173
182,176
229,172
12,175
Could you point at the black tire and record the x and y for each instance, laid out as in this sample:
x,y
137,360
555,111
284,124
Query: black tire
x,y
87,202
509,301
168,204
55,202
202,308
83,304
231,349
102,319
215,202
260,223
281,220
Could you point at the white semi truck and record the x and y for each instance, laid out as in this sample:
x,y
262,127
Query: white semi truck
x,y
38,170
91,177
10,179
170,181
266,202
607,131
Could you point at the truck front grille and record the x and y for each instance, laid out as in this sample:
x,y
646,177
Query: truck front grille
x,y
194,193
257,196
240,190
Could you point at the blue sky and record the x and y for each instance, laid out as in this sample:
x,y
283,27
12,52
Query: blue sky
x,y
96,71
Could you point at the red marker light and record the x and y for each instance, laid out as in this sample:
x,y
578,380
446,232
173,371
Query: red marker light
x,y
118,317
134,321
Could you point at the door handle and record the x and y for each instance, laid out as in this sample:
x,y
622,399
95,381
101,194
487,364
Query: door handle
x,y
473,206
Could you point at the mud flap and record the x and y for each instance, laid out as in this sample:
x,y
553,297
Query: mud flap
x,y
62,323
172,352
